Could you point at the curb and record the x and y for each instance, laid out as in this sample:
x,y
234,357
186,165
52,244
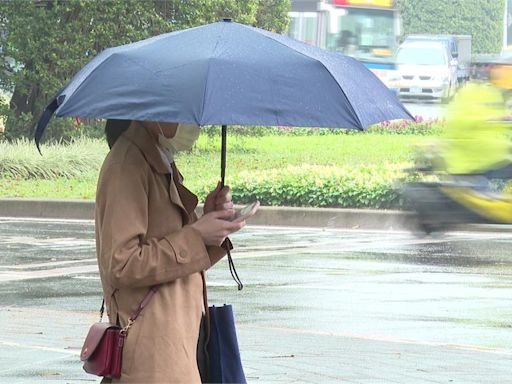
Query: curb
x,y
335,218
47,208
371,219
269,216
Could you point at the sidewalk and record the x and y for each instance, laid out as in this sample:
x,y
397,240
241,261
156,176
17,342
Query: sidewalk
x,y
49,342
318,306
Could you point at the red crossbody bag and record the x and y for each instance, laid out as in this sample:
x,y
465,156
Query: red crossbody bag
x,y
102,352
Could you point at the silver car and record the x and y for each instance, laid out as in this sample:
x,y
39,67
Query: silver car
x,y
426,71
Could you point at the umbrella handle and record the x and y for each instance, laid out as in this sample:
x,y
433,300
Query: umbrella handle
x,y
232,268
223,155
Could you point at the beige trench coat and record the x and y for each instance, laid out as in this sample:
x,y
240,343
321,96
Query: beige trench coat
x,y
142,239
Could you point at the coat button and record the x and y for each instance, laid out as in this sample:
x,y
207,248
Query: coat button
x,y
183,254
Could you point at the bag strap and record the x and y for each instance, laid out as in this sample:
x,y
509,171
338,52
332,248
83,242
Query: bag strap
x,y
145,301
102,309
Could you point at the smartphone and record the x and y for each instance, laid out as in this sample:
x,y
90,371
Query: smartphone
x,y
246,212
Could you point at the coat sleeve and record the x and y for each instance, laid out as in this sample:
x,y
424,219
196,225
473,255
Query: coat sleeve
x,y
129,260
216,253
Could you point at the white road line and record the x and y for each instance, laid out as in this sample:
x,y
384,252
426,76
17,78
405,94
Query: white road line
x,y
46,362
9,219
386,339
14,276
31,314
333,246
341,247
87,277
74,352
52,242
66,271
48,264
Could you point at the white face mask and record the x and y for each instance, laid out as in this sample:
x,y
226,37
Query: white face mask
x,y
184,139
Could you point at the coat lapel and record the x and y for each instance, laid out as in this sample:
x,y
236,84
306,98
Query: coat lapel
x,y
188,201
178,194
176,199
139,136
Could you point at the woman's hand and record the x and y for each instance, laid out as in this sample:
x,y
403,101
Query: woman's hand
x,y
215,226
219,200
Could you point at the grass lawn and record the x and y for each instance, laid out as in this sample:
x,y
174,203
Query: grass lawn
x,y
71,171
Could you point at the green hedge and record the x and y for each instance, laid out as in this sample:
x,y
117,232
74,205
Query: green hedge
x,y
319,186
482,19
346,175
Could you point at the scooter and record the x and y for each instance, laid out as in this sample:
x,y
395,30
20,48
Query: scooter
x,y
452,200
481,190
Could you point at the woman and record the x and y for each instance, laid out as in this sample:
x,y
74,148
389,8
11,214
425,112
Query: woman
x,y
147,234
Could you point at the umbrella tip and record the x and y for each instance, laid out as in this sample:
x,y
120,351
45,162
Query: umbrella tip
x,y
227,19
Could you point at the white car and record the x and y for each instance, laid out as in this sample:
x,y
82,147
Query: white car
x,y
426,71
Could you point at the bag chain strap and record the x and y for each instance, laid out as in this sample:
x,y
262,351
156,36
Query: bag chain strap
x,y
145,301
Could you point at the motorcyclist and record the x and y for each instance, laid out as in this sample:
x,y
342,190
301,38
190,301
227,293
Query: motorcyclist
x,y
474,149
476,143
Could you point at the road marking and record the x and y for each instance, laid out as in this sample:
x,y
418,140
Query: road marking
x,y
57,272
52,242
48,264
326,244
46,362
9,219
386,339
87,277
75,352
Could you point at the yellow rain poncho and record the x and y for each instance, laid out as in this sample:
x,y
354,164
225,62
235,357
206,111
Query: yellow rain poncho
x,y
474,139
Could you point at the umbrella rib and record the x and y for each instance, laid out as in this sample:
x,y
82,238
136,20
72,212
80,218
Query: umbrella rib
x,y
207,77
319,61
114,51
115,54
79,86
344,94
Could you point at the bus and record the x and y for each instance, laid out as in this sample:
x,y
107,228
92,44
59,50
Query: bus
x,y
367,30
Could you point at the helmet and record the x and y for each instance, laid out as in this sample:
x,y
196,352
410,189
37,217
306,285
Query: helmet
x,y
501,72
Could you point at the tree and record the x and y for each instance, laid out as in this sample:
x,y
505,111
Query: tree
x,y
272,15
45,42
482,19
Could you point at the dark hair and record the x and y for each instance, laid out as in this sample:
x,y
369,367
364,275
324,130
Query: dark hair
x,y
114,128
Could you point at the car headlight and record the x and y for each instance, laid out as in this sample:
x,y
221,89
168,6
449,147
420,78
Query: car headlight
x,y
394,77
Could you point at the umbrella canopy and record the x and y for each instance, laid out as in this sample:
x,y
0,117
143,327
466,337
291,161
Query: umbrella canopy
x,y
227,73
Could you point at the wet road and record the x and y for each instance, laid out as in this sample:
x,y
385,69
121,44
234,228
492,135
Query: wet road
x,y
427,110
318,306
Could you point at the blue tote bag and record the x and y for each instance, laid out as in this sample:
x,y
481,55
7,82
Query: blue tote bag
x,y
225,365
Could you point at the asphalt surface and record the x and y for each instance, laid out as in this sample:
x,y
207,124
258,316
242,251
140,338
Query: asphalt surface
x,y
427,110
319,306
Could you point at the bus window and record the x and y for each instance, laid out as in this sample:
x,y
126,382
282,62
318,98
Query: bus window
x,y
361,32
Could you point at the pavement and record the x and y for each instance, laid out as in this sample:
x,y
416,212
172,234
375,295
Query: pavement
x,y
319,305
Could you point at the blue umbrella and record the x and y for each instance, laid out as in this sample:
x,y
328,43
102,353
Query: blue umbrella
x,y
226,73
